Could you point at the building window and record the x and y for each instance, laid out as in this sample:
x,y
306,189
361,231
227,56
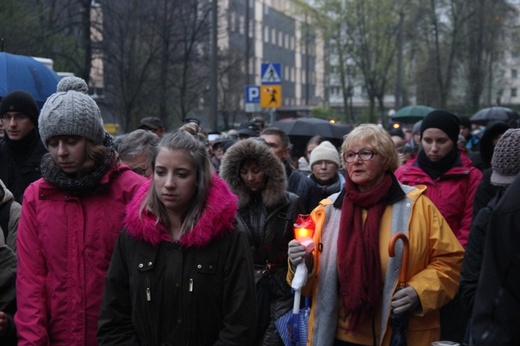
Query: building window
x,y
233,21
266,34
514,73
514,92
273,36
242,25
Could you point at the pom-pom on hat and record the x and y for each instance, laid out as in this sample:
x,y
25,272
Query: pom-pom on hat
x,y
505,163
442,120
21,102
71,112
324,151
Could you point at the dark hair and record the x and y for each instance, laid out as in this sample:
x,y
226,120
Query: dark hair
x,y
96,156
284,138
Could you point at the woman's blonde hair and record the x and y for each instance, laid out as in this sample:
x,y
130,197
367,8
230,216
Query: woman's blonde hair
x,y
185,139
378,139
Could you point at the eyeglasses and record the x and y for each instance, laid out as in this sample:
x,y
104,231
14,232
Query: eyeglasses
x,y
17,117
364,155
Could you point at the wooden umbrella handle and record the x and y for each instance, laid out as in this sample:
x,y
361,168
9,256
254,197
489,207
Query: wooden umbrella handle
x,y
406,251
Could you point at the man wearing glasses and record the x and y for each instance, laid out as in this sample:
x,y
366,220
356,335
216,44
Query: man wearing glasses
x,y
22,149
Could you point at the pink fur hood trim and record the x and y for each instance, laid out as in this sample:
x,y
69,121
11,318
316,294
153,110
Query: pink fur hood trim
x,y
216,220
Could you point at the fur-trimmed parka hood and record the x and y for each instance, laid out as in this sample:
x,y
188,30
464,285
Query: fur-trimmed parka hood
x,y
273,168
216,220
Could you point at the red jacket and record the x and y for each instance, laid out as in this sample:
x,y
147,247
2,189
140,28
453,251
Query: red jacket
x,y
65,245
452,193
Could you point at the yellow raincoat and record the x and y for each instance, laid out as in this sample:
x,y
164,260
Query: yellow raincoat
x,y
435,260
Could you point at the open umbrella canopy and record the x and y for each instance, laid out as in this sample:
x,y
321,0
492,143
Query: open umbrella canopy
x,y
300,130
411,114
495,114
312,127
20,72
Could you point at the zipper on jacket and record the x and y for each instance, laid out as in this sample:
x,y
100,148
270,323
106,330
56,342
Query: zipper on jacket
x,y
148,291
190,286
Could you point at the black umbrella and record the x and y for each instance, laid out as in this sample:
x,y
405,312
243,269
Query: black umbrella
x,y
302,129
399,322
312,127
495,114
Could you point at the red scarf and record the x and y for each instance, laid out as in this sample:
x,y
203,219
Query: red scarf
x,y
359,265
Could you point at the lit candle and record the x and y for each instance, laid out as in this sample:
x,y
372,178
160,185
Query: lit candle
x,y
303,233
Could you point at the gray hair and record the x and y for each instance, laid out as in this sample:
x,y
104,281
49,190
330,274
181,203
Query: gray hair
x,y
137,142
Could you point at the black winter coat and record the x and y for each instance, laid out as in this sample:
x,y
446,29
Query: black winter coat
x,y
20,163
496,312
299,184
8,292
172,295
469,276
267,218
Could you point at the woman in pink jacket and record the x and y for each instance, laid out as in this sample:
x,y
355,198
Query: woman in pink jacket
x,y
451,183
69,222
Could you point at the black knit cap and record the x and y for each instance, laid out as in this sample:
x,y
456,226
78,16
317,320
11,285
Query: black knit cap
x,y
22,102
442,120
465,122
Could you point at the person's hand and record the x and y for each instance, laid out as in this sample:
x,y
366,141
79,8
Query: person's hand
x,y
4,323
404,300
296,252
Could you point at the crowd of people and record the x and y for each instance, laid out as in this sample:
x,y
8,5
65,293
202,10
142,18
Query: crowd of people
x,y
165,237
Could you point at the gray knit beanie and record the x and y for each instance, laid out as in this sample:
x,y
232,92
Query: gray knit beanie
x,y
71,112
505,161
324,151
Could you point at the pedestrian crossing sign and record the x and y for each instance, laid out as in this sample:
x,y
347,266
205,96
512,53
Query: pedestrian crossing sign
x,y
271,96
271,73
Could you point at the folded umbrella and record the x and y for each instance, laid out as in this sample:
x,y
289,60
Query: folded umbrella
x,y
292,326
399,322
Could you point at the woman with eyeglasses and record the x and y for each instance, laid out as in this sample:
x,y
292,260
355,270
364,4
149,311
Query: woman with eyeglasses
x,y
353,281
